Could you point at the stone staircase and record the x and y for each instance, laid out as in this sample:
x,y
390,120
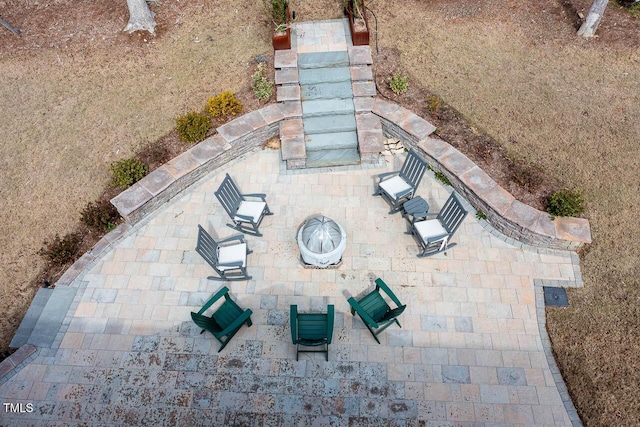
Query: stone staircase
x,y
328,114
45,316
334,92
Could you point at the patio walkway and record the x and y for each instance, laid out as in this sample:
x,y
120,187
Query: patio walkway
x,y
469,351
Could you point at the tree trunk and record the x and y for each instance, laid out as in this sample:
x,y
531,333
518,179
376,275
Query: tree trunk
x,y
140,17
590,25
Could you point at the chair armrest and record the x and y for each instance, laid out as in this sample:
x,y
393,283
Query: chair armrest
x,y
403,193
213,299
230,264
437,238
330,319
419,217
293,320
385,175
239,237
237,323
258,195
363,314
245,217
381,285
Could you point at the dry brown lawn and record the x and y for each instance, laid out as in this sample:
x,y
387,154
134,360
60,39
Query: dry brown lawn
x,y
515,70
68,111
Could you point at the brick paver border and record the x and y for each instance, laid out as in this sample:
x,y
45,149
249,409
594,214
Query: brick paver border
x,y
546,342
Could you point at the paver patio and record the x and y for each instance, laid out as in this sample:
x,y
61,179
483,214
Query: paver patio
x,y
469,351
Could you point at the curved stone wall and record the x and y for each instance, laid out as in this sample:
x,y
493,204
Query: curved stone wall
x,y
510,216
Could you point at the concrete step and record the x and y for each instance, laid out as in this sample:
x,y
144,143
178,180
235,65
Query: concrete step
x,y
44,317
288,93
324,107
326,158
361,73
287,76
331,141
323,59
31,317
324,75
329,124
337,90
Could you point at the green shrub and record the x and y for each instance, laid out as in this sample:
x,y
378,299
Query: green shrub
x,y
276,11
398,83
481,215
193,127
61,251
224,104
127,172
100,216
634,10
442,178
434,103
565,203
262,87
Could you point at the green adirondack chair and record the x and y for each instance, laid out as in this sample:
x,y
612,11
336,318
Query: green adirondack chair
x,y
374,310
226,320
311,330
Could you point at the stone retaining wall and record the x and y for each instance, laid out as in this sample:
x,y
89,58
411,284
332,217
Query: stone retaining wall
x,y
232,140
510,216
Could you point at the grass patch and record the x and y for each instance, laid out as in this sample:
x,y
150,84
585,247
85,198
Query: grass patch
x,y
634,10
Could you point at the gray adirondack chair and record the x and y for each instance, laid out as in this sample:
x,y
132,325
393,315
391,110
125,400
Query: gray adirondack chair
x,y
245,214
434,235
311,330
375,312
227,319
400,186
227,257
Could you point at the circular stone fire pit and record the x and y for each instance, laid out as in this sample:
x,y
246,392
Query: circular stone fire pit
x,y
322,242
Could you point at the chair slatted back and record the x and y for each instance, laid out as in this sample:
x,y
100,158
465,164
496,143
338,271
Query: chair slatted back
x,y
227,313
207,248
452,214
374,305
312,329
206,323
413,169
229,196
